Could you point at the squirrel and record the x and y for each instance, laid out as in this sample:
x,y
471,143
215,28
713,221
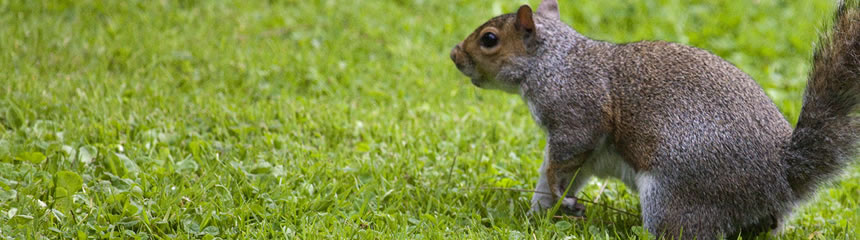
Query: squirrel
x,y
708,152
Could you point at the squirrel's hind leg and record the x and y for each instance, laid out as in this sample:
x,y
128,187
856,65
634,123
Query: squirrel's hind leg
x,y
668,216
769,224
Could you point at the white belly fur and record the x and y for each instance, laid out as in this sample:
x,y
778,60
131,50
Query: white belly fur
x,y
606,162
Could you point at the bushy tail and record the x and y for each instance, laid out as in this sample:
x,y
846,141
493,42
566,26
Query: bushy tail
x,y
825,139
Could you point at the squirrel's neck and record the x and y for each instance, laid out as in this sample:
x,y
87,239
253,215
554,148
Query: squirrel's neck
x,y
563,57
562,54
567,69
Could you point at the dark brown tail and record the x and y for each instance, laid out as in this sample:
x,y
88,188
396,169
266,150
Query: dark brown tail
x,y
825,139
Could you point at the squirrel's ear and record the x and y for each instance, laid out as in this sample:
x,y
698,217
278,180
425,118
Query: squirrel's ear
x,y
524,19
549,9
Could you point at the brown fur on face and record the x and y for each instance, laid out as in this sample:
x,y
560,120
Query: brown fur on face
x,y
482,64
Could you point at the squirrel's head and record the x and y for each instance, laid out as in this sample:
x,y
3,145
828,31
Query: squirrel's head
x,y
497,44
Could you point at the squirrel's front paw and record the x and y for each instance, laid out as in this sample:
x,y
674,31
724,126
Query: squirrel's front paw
x,y
570,206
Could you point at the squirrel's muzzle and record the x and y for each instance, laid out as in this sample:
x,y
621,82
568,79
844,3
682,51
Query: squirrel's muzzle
x,y
457,50
464,63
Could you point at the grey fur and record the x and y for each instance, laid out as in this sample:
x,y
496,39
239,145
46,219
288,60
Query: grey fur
x,y
826,133
711,153
549,9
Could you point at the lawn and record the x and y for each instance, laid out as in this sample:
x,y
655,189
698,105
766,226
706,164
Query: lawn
x,y
144,119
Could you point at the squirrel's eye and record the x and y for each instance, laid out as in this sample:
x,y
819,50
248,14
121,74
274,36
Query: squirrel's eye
x,y
489,40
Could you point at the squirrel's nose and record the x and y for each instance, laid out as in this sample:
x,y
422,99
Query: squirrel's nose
x,y
454,57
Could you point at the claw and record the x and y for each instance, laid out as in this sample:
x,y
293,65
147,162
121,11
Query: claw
x,y
570,206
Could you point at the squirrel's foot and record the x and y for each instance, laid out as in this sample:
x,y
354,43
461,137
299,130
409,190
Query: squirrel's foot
x,y
570,206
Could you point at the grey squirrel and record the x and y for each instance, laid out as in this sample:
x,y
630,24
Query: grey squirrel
x,y
708,152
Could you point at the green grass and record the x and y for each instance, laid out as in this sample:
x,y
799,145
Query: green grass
x,y
325,119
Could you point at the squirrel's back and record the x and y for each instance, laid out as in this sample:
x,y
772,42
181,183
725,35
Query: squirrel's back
x,y
678,96
704,126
